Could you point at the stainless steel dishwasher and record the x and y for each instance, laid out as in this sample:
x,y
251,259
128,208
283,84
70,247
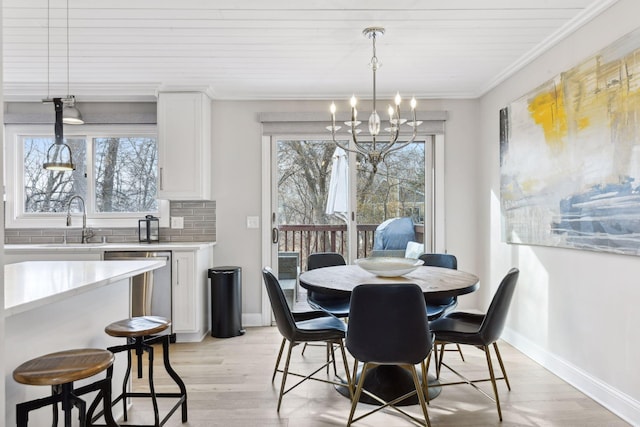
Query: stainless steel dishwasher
x,y
150,292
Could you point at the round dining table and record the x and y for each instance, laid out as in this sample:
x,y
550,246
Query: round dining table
x,y
389,381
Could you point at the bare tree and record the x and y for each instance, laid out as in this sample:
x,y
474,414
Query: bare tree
x,y
397,189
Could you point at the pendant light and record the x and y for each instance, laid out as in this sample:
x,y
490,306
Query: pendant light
x,y
56,153
59,156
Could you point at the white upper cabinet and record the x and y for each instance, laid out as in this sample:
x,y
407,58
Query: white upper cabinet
x,y
184,146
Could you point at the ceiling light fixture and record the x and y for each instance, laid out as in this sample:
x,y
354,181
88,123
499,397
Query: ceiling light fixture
x,y
66,112
55,154
375,151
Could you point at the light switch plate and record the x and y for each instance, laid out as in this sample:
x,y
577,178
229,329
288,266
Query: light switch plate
x,y
177,222
253,222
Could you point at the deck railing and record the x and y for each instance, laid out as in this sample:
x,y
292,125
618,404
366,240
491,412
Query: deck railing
x,y
307,239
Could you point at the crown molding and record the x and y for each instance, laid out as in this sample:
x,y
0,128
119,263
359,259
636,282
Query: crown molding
x,y
589,13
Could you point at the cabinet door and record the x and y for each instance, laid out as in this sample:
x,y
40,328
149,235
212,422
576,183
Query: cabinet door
x,y
184,146
184,292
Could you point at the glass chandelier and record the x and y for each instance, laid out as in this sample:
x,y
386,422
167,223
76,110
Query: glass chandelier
x,y
375,150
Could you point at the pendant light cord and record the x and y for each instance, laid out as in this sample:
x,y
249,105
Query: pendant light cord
x,y
48,48
68,93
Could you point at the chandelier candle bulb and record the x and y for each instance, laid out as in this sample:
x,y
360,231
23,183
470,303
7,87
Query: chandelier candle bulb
x,y
413,103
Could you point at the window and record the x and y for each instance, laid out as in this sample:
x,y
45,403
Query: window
x,y
116,174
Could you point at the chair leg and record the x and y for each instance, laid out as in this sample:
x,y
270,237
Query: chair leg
x,y
439,362
504,372
460,351
284,375
346,367
425,376
493,380
304,347
275,369
327,355
419,392
435,355
356,396
354,374
333,356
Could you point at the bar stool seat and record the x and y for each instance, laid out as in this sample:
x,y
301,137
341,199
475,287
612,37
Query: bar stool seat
x,y
59,370
137,326
140,333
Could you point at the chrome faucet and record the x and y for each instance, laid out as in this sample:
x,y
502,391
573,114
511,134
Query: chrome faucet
x,y
86,233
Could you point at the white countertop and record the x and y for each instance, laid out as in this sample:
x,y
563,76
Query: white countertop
x,y
32,284
101,247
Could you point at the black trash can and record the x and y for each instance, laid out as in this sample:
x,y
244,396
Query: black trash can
x,y
226,301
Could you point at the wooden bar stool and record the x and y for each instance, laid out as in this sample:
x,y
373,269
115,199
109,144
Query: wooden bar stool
x,y
59,370
139,332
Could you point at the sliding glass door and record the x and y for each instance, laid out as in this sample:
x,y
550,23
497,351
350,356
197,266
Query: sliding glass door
x,y
325,199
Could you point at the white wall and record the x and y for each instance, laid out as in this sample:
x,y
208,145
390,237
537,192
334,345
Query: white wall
x,y
574,311
237,184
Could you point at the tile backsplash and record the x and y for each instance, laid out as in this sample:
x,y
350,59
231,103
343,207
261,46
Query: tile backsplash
x,y
199,226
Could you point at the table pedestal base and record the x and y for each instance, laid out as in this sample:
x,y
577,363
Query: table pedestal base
x,y
390,382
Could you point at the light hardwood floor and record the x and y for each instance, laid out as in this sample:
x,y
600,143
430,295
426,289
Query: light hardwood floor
x,y
229,384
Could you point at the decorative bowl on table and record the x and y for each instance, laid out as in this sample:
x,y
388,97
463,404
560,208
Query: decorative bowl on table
x,y
389,266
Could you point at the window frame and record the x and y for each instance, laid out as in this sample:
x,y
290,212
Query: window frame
x,y
14,177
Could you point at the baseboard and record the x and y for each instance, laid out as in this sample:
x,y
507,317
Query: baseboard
x,y
194,337
614,400
252,319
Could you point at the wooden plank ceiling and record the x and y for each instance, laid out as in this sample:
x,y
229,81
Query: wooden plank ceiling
x,y
276,49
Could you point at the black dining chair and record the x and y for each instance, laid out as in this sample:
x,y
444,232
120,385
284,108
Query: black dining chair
x,y
388,326
437,307
336,303
481,331
318,327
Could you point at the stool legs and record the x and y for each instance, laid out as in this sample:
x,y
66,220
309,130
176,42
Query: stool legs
x,y
176,378
69,398
141,345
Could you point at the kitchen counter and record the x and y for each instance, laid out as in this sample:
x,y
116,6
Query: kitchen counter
x,y
32,284
58,305
102,247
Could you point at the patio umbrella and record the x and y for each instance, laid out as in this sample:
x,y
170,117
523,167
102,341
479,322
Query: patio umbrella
x,y
338,199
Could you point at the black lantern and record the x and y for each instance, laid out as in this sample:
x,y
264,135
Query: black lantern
x,y
149,229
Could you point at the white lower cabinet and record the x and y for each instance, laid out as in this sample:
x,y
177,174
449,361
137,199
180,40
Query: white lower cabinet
x,y
190,294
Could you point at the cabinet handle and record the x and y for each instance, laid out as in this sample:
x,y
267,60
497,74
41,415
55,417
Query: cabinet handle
x,y
177,272
161,186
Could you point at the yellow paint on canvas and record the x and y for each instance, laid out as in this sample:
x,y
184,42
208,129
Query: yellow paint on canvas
x,y
548,111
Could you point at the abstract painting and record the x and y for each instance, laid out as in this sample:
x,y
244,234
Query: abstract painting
x,y
570,156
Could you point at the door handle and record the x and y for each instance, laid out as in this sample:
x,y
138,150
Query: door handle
x,y
274,235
